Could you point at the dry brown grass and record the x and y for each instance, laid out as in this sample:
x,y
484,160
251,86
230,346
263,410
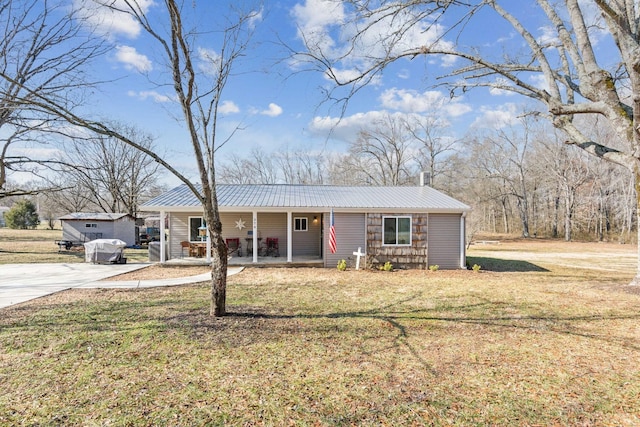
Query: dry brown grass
x,y
38,246
533,342
157,271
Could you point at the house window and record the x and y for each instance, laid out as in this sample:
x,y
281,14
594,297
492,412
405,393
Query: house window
x,y
91,225
300,224
196,223
397,230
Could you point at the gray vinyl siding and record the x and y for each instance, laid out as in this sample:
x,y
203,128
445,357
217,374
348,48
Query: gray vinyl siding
x,y
306,243
179,226
274,225
77,231
444,241
350,235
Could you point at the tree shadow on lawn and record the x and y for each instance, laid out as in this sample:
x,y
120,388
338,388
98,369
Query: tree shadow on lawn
x,y
246,325
504,265
484,312
554,324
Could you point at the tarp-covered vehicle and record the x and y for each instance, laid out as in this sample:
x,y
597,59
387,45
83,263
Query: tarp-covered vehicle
x,y
105,251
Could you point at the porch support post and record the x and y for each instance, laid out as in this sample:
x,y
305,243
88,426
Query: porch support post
x,y
289,238
463,260
255,236
208,246
163,255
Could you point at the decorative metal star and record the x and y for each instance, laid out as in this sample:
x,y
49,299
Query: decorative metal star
x,y
240,224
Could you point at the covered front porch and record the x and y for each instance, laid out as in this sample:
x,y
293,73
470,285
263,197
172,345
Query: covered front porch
x,y
289,238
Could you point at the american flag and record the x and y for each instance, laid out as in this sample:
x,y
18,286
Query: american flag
x,y
333,246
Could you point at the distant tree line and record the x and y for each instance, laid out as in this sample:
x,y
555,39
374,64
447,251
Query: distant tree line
x,y
520,179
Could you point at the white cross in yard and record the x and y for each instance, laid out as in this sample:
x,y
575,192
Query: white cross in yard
x,y
358,254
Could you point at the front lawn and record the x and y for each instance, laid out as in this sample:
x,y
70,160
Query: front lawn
x,y
549,344
38,246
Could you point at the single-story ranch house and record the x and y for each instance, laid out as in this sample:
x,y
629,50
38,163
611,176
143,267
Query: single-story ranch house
x,y
411,227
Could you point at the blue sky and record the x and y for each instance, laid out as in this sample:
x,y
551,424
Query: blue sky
x,y
279,105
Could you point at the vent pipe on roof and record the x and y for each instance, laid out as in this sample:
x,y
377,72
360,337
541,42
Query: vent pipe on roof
x,y
425,179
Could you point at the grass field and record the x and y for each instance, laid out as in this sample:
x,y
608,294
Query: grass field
x,y
551,337
38,246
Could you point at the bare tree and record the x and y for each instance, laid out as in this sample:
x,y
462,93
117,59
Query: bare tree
x,y
256,168
435,146
113,175
384,154
44,49
198,95
343,169
301,166
575,82
68,196
503,156
281,166
571,172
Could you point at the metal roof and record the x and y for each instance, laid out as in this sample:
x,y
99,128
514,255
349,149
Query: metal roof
x,y
281,196
94,216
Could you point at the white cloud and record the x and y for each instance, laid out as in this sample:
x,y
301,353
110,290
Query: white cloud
x,y
404,74
597,28
314,16
228,107
504,39
410,101
448,60
315,19
209,60
499,91
107,21
133,60
539,81
39,153
498,118
548,37
274,110
144,95
329,30
256,17
347,128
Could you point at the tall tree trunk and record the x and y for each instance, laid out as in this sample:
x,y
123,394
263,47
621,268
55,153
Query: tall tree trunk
x,y
636,280
568,214
218,272
218,257
505,217
524,216
556,208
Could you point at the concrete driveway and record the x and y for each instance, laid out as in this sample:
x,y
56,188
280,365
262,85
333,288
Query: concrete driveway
x,y
23,282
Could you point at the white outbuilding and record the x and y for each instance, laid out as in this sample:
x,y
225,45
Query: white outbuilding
x,y
81,227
